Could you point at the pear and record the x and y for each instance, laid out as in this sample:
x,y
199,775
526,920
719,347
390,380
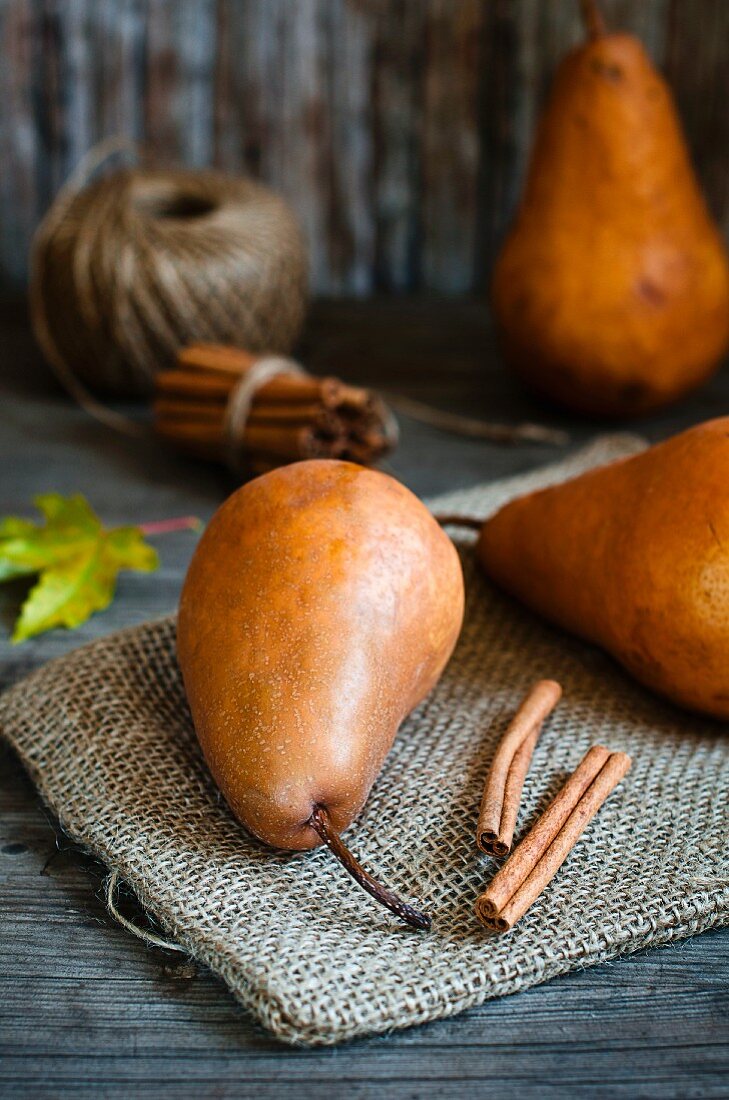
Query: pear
x,y
611,292
635,557
320,607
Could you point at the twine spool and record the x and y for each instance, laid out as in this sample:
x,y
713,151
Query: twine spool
x,y
130,268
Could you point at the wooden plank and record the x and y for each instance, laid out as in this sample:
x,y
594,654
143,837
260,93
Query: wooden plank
x,y
18,140
298,134
506,125
450,144
397,121
348,66
179,66
649,22
119,30
697,64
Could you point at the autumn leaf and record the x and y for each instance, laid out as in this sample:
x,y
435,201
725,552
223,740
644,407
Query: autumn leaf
x,y
77,560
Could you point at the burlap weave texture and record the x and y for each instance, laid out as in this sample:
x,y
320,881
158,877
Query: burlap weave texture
x,y
106,735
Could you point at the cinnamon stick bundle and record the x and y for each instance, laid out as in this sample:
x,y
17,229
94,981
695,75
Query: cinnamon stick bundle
x,y
537,859
258,412
505,780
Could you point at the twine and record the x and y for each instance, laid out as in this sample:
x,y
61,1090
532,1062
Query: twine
x,y
64,373
144,934
129,268
241,400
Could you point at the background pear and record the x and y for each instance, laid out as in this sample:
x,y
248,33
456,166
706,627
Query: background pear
x,y
633,556
320,607
611,292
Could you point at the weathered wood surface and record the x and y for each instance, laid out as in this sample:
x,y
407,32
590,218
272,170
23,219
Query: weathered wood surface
x,y
88,1011
398,129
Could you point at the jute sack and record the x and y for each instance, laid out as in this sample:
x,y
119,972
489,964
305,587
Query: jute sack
x,y
106,735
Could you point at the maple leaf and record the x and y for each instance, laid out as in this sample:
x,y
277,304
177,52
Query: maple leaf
x,y
77,559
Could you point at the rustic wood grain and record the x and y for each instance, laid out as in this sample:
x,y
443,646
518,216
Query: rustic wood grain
x,y
399,129
399,37
179,66
86,1011
450,152
697,64
19,204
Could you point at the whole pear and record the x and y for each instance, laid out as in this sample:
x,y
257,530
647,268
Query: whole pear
x,y
635,557
611,292
320,607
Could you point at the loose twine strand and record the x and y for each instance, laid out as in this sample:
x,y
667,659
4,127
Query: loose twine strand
x,y
78,179
144,934
241,400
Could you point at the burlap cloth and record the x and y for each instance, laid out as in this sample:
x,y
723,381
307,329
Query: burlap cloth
x,y
106,736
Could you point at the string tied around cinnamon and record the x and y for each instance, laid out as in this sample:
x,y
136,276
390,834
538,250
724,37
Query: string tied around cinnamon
x,y
255,412
241,399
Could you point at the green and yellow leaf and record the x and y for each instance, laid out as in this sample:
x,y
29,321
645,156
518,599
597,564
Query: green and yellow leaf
x,y
77,559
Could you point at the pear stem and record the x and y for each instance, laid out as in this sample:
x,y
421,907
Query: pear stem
x,y
322,825
459,521
593,19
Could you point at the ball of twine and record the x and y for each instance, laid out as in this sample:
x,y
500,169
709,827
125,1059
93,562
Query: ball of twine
x,y
130,268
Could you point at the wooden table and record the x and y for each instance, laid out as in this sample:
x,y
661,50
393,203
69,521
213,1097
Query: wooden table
x,y
88,1011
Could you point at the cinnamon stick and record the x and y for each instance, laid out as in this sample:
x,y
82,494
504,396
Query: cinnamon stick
x,y
202,436
537,859
286,442
284,389
212,358
497,842
283,413
217,357
291,388
174,408
351,398
170,408
291,416
189,384
505,780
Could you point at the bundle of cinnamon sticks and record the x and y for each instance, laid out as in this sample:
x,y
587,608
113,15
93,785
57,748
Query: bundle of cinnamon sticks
x,y
290,416
536,860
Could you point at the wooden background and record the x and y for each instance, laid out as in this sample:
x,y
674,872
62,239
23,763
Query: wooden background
x,y
397,128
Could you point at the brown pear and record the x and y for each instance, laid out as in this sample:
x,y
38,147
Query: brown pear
x,y
635,557
611,292
319,609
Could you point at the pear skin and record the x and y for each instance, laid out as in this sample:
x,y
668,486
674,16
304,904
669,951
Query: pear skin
x,y
320,607
611,292
635,557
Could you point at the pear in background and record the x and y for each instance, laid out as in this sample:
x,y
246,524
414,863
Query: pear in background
x,y
611,292
635,557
